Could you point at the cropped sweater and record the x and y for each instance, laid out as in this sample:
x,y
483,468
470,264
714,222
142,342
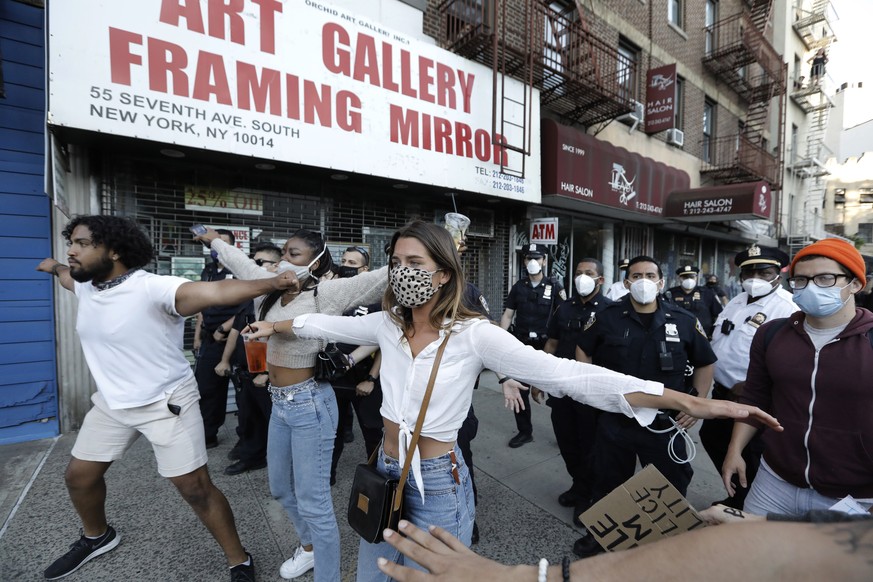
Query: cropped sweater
x,y
334,297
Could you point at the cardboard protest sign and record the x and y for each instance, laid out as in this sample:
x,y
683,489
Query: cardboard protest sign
x,y
644,509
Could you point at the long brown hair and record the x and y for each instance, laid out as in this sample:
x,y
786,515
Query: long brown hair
x,y
450,297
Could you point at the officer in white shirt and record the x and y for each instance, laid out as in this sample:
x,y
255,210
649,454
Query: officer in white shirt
x,y
617,290
763,299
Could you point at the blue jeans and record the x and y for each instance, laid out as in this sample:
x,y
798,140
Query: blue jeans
x,y
446,503
772,494
299,450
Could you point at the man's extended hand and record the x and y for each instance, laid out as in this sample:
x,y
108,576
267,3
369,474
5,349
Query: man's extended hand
x,y
46,265
446,557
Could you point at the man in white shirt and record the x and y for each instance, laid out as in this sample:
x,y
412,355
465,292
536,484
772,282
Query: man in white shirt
x,y
762,300
130,323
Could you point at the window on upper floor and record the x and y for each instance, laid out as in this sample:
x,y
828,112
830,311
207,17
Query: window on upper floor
x,y
628,57
865,195
679,104
708,152
710,17
676,12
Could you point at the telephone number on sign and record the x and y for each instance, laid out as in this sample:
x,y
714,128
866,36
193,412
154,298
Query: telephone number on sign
x,y
507,187
708,210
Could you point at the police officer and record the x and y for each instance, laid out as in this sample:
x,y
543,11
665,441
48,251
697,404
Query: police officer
x,y
702,302
763,299
210,337
574,423
651,339
531,300
617,290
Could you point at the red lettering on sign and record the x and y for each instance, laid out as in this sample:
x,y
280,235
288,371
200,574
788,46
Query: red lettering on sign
x,y
409,127
221,13
267,87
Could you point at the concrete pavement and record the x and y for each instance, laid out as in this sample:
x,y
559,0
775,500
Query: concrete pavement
x,y
518,513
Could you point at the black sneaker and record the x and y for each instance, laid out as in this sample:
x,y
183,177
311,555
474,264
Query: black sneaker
x,y
243,572
82,551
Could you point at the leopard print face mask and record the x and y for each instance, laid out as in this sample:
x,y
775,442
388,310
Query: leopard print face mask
x,y
412,287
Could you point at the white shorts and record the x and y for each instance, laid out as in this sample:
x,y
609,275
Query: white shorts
x,y
178,440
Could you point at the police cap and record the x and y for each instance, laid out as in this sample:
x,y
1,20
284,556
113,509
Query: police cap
x,y
535,251
623,264
688,270
759,257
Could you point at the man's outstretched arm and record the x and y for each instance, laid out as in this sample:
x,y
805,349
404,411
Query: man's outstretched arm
x,y
750,551
62,272
196,296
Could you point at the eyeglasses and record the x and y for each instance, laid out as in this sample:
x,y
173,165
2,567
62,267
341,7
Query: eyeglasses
x,y
823,280
262,262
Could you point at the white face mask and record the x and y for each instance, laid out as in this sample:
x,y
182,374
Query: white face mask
x,y
688,283
757,287
584,285
302,271
534,267
644,291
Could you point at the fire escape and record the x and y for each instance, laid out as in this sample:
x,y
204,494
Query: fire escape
x,y
813,26
547,45
743,59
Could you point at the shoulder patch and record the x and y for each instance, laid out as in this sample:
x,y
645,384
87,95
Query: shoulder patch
x,y
562,294
484,304
699,328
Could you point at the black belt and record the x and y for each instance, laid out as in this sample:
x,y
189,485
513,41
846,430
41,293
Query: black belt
x,y
721,392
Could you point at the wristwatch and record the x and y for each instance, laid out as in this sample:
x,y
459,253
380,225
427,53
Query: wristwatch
x,y
371,378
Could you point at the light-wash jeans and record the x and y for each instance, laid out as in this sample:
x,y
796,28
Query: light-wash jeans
x,y
299,451
770,493
446,504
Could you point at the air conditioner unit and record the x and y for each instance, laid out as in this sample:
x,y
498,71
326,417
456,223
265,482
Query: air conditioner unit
x,y
634,117
676,137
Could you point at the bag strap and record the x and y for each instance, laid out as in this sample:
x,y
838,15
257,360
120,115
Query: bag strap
x,y
398,498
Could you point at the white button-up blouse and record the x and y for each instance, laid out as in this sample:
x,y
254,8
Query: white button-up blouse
x,y
474,345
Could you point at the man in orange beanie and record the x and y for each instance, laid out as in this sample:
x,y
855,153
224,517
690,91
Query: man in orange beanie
x,y
812,371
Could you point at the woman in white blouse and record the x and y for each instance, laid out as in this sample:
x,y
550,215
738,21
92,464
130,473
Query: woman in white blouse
x,y
423,302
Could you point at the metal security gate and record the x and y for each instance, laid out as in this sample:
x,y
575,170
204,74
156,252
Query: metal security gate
x,y
28,377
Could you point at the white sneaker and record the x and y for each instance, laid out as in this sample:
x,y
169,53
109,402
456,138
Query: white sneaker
x,y
300,563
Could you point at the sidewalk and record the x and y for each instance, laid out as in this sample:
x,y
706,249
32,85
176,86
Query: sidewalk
x,y
518,514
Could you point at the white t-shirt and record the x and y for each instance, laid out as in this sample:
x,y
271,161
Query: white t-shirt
x,y
132,338
474,345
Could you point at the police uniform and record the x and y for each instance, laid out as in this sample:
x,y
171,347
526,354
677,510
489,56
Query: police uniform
x,y
617,290
533,305
212,387
474,301
367,408
575,423
621,339
731,341
700,301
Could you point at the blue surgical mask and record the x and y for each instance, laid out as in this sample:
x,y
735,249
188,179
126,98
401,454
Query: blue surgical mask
x,y
819,302
214,255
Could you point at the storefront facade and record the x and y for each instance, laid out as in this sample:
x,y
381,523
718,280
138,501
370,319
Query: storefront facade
x,y
303,116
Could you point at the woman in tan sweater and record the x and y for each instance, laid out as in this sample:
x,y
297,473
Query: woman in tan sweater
x,y
304,418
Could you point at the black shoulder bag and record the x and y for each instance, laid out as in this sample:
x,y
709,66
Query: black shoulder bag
x,y
330,363
376,501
